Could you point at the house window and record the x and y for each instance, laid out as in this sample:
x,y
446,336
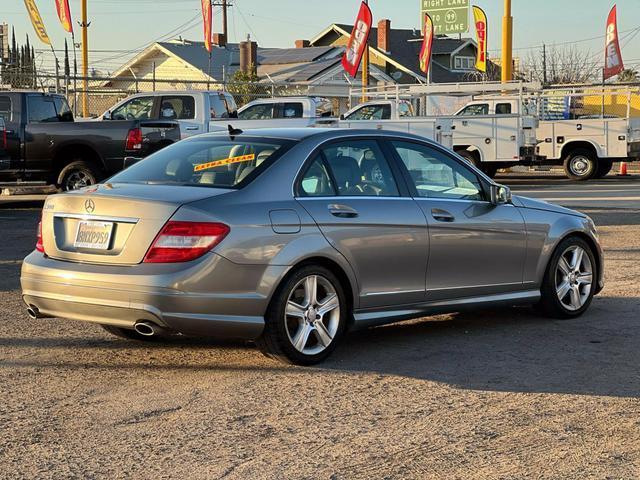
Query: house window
x,y
464,63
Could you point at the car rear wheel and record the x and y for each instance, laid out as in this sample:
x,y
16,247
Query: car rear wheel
x,y
569,283
488,169
306,318
581,164
78,174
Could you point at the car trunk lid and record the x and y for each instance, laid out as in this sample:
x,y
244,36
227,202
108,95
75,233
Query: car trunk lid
x,y
112,223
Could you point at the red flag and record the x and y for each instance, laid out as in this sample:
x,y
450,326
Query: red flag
x,y
427,44
64,14
613,64
207,18
358,40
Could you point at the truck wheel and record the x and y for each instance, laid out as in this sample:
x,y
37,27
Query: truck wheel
x,y
77,174
604,167
488,169
581,164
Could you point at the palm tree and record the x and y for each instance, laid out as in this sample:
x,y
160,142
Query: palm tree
x,y
628,75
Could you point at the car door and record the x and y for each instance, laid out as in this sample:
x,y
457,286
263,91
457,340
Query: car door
x,y
363,209
475,247
38,142
11,158
182,109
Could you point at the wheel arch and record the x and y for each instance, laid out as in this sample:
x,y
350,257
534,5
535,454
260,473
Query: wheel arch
x,y
69,152
572,145
472,149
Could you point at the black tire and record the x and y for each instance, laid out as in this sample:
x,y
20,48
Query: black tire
x,y
128,334
488,169
549,303
78,174
275,341
581,164
604,167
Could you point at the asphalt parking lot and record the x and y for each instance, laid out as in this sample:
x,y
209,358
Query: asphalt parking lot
x,y
488,394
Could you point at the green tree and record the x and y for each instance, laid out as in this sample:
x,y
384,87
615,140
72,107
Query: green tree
x,y
246,86
628,75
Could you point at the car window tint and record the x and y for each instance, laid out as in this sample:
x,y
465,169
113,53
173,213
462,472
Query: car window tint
x,y
359,168
177,108
292,110
62,109
316,181
257,112
135,109
372,112
205,163
436,175
41,109
5,108
218,106
478,109
503,109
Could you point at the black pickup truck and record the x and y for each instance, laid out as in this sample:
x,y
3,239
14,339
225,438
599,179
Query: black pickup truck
x,y
40,141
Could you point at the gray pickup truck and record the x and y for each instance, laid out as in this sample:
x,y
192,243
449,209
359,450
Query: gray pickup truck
x,y
40,141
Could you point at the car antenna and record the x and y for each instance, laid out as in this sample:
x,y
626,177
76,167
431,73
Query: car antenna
x,y
233,131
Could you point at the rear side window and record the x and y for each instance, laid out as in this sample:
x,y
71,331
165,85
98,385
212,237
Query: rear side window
x,y
262,111
291,110
206,163
503,109
180,107
41,109
5,108
316,181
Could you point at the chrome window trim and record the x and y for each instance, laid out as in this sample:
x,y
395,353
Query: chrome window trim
x,y
105,218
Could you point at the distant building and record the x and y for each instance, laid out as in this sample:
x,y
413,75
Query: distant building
x,y
4,42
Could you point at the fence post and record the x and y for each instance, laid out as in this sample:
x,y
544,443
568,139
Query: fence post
x,y
154,76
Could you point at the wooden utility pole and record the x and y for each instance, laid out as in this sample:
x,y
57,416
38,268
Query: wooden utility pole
x,y
224,21
85,60
507,43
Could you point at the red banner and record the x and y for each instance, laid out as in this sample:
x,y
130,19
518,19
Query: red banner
x,y
481,32
64,14
358,41
613,64
207,19
427,44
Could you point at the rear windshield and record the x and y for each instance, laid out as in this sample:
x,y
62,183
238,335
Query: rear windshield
x,y
204,162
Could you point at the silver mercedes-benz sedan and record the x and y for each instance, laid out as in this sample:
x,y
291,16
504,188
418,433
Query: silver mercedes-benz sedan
x,y
292,237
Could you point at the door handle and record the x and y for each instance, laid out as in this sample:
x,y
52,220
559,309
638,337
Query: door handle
x,y
191,128
442,215
342,211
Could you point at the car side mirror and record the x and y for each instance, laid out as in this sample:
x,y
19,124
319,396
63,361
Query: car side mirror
x,y
107,115
342,116
500,194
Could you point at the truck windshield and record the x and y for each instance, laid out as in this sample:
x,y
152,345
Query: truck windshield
x,y
204,162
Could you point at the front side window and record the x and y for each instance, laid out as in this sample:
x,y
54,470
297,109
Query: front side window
x,y
206,163
292,110
262,111
435,175
182,107
41,109
62,109
405,110
359,168
503,109
218,107
371,112
476,109
136,109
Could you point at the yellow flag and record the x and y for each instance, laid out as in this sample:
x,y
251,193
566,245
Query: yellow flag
x,y
481,31
36,21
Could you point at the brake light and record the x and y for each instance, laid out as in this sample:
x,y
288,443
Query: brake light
x,y
134,139
185,241
39,244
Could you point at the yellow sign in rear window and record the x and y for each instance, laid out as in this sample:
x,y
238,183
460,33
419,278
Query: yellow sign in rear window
x,y
225,161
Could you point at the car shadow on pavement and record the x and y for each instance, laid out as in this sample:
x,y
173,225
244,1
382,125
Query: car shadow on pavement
x,y
511,350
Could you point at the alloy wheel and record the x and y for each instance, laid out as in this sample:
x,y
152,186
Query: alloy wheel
x,y
312,315
78,179
574,278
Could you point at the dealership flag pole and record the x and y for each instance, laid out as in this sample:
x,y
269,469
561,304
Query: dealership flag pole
x,y
365,67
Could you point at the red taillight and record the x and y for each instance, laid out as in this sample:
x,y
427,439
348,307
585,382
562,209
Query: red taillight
x,y
184,241
39,245
134,139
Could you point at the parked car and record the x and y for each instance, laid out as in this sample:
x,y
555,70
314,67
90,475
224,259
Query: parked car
x,y
192,109
290,237
42,141
282,112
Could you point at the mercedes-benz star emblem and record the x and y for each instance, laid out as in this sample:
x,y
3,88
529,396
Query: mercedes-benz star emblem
x,y
89,206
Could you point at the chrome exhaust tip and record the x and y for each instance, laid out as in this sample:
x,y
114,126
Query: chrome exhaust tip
x,y
146,329
33,312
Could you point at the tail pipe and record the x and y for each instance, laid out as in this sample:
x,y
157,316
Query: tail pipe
x,y
33,312
148,329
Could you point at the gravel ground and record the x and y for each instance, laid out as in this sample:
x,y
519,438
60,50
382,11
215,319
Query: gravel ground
x,y
495,394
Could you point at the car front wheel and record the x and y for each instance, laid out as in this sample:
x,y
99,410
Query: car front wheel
x,y
568,285
306,318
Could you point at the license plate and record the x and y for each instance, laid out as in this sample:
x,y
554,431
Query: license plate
x,y
95,235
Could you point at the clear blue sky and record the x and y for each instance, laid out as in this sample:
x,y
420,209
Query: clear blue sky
x,y
120,27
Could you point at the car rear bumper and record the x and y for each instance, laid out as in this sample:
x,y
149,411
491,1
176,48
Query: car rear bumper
x,y
226,300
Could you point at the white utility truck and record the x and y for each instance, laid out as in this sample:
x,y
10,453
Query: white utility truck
x,y
489,140
572,132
